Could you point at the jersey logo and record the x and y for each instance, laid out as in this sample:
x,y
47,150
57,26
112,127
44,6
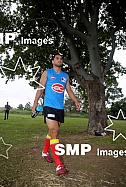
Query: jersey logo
x,y
63,79
53,77
58,88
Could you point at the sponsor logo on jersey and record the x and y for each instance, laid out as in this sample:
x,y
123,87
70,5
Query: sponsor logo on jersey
x,y
63,79
53,77
58,88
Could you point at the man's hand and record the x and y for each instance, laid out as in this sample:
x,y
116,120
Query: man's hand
x,y
34,108
78,105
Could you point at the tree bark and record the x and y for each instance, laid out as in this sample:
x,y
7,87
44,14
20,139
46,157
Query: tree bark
x,y
97,110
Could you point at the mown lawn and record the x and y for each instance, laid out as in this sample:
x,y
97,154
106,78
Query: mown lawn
x,y
26,167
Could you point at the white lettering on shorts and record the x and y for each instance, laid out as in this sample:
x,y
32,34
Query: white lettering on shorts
x,y
51,115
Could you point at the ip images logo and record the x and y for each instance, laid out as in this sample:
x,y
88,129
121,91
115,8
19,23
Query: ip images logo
x,y
112,130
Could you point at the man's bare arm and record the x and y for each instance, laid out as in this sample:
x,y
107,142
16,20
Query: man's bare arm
x,y
71,94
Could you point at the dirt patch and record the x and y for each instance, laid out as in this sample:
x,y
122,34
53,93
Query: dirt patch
x,y
29,169
90,170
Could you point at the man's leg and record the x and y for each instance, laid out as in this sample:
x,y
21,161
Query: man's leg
x,y
45,153
47,143
5,115
54,130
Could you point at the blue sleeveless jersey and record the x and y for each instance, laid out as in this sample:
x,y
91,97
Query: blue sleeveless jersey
x,y
55,88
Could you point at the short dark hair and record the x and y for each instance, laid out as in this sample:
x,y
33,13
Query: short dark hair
x,y
53,55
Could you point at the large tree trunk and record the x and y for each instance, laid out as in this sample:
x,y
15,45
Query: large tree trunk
x,y
97,110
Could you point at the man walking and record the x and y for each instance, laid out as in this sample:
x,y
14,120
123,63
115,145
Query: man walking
x,y
7,108
55,82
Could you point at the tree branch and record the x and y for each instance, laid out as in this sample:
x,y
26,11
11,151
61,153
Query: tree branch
x,y
83,16
75,32
66,12
75,62
94,15
111,55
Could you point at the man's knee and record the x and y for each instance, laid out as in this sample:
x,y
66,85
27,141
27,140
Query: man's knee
x,y
54,130
53,127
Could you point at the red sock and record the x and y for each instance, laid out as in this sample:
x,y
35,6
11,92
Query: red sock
x,y
47,144
56,157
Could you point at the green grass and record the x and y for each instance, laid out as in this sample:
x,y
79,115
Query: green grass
x,y
26,136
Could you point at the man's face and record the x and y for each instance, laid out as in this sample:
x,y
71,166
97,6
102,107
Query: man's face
x,y
58,61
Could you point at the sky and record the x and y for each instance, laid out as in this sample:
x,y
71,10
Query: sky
x,y
20,92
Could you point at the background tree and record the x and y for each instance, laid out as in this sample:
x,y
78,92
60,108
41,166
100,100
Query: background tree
x,y
86,32
20,107
28,106
114,109
70,105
